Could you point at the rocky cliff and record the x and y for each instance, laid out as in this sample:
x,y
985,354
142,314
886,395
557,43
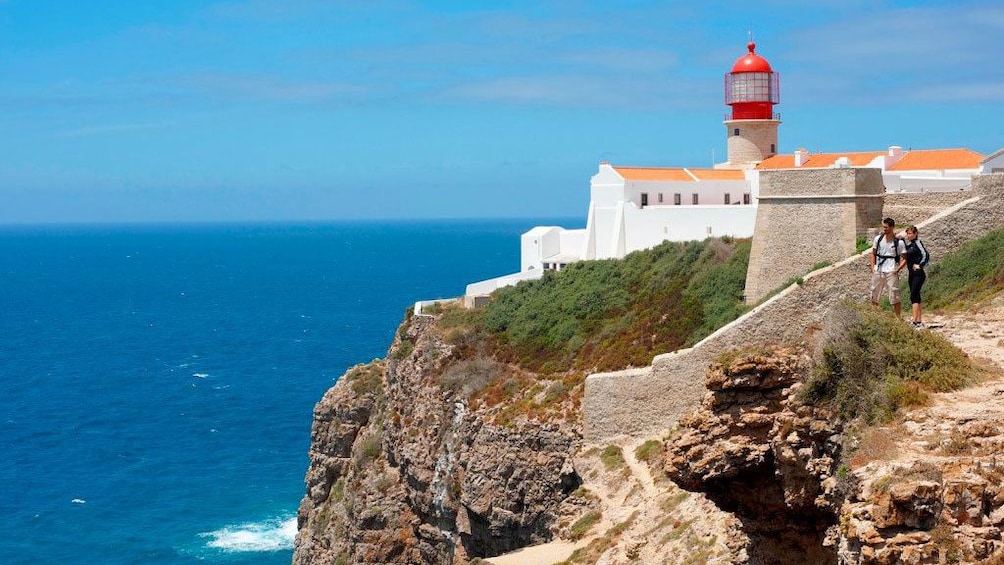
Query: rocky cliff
x,y
432,457
440,457
923,489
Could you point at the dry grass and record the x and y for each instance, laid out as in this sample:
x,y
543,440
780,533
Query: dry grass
x,y
874,444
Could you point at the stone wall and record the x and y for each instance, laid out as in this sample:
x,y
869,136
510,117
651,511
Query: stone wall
x,y
910,208
806,217
647,401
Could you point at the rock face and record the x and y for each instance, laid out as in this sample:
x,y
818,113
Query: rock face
x,y
756,451
406,468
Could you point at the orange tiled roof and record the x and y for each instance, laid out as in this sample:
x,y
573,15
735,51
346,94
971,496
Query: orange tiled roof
x,y
653,174
718,174
677,174
938,159
819,160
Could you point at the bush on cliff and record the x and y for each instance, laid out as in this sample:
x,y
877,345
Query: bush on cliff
x,y
870,364
611,314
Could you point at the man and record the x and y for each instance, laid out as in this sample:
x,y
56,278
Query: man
x,y
887,259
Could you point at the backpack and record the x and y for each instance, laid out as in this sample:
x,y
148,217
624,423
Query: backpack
x,y
875,248
926,256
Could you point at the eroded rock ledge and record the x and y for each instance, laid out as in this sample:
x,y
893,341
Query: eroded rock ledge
x,y
755,450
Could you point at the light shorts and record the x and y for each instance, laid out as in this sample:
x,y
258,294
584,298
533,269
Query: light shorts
x,y
881,282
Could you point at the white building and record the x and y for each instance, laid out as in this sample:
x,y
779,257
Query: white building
x,y
994,163
635,208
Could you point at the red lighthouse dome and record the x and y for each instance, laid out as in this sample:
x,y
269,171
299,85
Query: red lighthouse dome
x,y
752,88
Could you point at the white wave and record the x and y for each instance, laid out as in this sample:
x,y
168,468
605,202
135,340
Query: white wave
x,y
79,501
200,375
270,535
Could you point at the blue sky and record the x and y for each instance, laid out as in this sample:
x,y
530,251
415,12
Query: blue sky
x,y
117,111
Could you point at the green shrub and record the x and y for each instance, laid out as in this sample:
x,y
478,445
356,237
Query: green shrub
x,y
368,450
366,378
870,364
610,314
650,452
969,276
581,527
403,349
612,457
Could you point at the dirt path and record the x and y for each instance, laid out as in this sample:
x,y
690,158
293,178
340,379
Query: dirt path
x,y
645,518
979,333
640,470
543,554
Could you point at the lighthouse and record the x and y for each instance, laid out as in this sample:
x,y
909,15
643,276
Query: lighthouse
x,y
751,90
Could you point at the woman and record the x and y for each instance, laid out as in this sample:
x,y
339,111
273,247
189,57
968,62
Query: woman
x,y
916,259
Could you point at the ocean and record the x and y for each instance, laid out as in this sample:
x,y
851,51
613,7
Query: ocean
x,y
157,382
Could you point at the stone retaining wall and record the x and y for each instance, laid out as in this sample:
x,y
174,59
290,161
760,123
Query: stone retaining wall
x,y
647,401
910,208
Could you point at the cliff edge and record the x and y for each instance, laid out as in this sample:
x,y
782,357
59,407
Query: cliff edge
x,y
413,459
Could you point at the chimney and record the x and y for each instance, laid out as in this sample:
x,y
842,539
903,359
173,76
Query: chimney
x,y
895,154
801,156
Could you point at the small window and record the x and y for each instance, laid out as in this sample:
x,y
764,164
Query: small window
x,y
728,198
773,150
746,198
644,199
735,132
694,198
660,198
676,199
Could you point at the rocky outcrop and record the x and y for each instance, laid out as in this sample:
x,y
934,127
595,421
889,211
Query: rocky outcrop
x,y
930,488
922,512
925,489
755,450
409,465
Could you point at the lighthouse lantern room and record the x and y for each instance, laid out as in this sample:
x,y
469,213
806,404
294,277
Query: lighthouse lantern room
x,y
752,88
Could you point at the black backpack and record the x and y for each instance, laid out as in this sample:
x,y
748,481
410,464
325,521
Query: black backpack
x,y
927,251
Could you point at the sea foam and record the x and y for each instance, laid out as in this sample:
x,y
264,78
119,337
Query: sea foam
x,y
270,535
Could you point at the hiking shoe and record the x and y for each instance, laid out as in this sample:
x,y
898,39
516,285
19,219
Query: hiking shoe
x,y
917,325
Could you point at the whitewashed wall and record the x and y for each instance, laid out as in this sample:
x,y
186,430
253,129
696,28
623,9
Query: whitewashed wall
x,y
486,287
539,242
709,192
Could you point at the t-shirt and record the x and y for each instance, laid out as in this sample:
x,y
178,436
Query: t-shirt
x,y
886,247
